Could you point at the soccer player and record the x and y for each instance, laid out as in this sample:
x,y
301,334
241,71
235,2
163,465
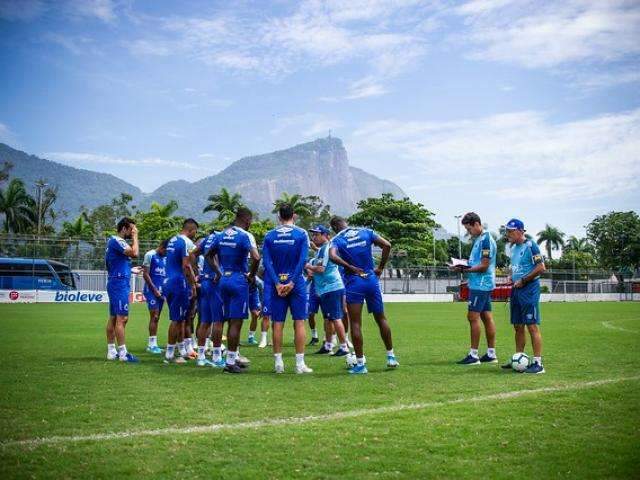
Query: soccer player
x,y
482,280
118,257
328,285
154,273
285,252
232,246
351,248
179,287
526,266
209,304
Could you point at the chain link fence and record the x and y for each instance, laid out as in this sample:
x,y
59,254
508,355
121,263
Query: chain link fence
x,y
85,260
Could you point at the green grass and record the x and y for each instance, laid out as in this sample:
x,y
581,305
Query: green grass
x,y
54,381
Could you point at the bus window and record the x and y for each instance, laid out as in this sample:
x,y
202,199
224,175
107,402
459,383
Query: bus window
x,y
66,277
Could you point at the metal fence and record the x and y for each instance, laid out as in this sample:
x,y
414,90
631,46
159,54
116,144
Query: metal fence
x,y
85,257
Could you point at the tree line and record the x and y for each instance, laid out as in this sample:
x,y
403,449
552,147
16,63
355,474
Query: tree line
x,y
612,240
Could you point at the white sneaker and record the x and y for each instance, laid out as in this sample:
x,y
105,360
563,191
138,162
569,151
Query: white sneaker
x,y
262,344
279,368
303,369
179,360
112,356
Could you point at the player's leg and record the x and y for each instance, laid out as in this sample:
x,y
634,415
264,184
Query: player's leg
x,y
205,316
254,310
313,307
235,292
332,311
112,351
175,302
536,339
329,331
298,303
355,318
152,343
475,330
490,331
264,330
375,306
278,309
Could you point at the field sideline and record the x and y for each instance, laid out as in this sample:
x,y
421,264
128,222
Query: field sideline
x,y
66,412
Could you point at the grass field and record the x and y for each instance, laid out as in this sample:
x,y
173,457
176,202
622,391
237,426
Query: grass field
x,y
429,418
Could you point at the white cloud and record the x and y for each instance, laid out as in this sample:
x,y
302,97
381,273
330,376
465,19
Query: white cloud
x,y
316,34
517,155
363,88
78,157
101,9
536,34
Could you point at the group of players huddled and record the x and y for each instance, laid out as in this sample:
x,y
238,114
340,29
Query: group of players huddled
x,y
224,278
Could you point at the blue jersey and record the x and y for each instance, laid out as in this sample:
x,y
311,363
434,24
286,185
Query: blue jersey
x,y
329,280
157,267
353,245
232,246
118,264
206,245
285,250
177,249
524,258
483,247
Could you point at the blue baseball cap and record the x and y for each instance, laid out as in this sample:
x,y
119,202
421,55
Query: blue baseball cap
x,y
514,224
320,229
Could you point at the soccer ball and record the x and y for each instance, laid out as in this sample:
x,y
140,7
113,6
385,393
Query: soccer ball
x,y
519,362
351,360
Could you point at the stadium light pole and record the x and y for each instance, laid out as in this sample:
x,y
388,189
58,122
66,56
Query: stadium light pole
x,y
40,184
458,217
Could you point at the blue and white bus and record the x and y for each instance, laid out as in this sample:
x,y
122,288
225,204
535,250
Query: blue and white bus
x,y
35,274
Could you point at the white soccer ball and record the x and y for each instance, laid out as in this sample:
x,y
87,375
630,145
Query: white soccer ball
x,y
519,361
351,360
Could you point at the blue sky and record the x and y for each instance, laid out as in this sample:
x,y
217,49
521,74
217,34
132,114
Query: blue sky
x,y
509,108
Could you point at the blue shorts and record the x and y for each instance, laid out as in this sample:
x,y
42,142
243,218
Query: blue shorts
x,y
361,289
331,303
118,291
177,293
314,302
234,291
479,301
210,302
296,302
153,302
266,298
254,298
525,309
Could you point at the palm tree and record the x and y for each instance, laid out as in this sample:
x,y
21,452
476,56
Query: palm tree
x,y
80,228
552,238
165,211
225,203
578,245
18,207
297,202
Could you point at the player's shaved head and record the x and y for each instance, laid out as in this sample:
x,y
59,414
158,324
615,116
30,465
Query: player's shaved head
x,y
244,214
337,223
190,228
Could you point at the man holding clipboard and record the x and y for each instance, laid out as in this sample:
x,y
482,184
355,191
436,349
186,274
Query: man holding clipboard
x,y
480,271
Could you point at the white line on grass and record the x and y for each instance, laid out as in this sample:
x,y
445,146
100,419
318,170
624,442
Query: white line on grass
x,y
216,427
610,326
